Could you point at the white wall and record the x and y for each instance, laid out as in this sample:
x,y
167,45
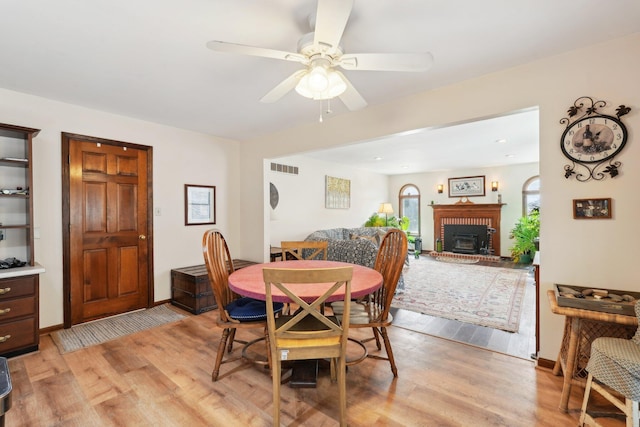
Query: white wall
x,y
595,253
510,179
301,208
179,157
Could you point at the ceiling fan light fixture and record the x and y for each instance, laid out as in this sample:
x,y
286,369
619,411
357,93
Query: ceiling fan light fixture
x,y
319,85
318,79
337,86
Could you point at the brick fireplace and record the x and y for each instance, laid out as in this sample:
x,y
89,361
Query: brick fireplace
x,y
468,214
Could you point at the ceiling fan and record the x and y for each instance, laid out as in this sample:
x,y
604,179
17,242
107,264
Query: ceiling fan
x,y
321,54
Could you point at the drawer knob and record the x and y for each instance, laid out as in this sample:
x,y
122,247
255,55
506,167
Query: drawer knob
x,y
5,338
4,311
5,291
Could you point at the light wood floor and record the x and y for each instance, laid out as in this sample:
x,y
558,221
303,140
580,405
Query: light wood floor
x,y
162,377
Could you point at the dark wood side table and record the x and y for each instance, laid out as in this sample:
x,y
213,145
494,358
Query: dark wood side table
x,y
276,253
581,327
191,290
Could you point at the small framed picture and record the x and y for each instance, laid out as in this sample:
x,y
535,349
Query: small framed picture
x,y
468,186
591,208
199,204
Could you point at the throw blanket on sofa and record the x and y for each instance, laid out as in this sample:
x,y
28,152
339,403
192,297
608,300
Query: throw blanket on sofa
x,y
353,245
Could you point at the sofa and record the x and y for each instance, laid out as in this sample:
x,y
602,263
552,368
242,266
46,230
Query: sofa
x,y
353,245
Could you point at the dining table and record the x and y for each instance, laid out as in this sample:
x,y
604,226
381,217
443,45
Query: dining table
x,y
249,282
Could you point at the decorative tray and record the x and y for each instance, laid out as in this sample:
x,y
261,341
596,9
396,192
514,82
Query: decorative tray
x,y
597,299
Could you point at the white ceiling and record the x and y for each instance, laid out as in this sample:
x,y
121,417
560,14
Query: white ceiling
x,y
147,58
499,141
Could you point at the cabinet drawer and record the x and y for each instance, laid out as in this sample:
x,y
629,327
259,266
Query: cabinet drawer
x,y
19,307
17,335
18,287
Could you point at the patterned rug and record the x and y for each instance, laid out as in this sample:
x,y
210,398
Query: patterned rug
x,y
99,331
481,295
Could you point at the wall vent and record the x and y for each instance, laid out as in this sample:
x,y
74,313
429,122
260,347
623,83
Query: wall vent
x,y
276,167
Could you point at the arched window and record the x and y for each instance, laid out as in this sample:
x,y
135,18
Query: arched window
x,y
531,195
410,207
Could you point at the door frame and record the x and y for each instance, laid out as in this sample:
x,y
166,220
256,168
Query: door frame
x,y
66,215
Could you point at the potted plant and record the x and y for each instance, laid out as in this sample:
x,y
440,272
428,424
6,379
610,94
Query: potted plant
x,y
375,220
404,224
525,233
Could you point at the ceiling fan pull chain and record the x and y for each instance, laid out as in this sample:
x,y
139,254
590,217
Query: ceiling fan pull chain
x,y
320,119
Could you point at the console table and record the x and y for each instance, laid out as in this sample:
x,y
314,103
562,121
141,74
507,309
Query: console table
x,y
581,327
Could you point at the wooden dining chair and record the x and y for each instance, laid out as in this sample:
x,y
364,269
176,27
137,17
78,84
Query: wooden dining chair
x,y
299,250
308,334
373,311
234,312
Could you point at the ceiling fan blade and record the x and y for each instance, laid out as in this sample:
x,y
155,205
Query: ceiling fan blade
x,y
220,46
283,88
351,97
331,18
387,61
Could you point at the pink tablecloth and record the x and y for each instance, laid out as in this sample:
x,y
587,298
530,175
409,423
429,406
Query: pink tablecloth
x,y
249,282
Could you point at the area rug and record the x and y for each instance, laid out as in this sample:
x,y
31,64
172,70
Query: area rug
x,y
481,295
99,331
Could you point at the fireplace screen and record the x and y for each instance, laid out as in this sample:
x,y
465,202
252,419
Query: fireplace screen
x,y
467,239
465,244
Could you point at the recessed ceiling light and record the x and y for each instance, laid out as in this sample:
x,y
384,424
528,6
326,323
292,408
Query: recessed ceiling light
x,y
377,158
510,155
501,141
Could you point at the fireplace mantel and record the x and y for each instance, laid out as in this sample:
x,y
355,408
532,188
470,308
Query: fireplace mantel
x,y
468,213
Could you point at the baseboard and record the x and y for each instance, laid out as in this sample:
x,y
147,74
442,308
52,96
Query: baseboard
x,y
49,329
546,363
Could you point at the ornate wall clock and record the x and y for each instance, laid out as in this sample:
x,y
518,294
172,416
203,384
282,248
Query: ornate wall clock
x,y
592,139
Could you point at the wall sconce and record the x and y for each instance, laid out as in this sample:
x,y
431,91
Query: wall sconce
x,y
494,185
440,188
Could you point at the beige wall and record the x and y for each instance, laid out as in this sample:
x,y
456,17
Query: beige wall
x,y
174,165
597,253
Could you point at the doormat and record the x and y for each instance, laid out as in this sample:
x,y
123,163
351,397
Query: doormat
x,y
481,295
99,331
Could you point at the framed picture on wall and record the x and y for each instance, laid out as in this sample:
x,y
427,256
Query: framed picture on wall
x,y
337,193
591,208
199,204
467,186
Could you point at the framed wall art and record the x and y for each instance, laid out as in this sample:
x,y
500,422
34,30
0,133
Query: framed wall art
x,y
467,186
199,204
591,208
337,193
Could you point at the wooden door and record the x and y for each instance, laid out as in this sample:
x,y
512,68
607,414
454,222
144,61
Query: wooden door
x,y
108,255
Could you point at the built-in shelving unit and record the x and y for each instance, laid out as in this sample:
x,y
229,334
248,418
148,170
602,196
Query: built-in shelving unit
x,y
19,286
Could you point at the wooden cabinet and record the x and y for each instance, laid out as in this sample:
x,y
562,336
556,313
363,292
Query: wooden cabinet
x,y
19,326
19,307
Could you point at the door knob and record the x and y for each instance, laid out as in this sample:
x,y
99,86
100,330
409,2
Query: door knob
x,y
142,237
